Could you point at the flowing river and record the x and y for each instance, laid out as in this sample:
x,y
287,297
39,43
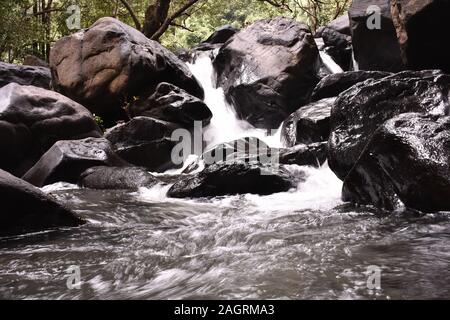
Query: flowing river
x,y
303,244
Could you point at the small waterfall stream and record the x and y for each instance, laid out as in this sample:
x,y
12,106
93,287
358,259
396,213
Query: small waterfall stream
x,y
302,244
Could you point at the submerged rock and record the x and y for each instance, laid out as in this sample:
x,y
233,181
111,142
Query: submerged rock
x,y
231,179
66,160
32,119
314,154
144,142
406,163
172,104
422,27
309,124
25,75
27,209
110,63
359,111
117,178
375,46
334,84
268,70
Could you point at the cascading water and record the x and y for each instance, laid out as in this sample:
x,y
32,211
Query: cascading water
x,y
302,244
225,125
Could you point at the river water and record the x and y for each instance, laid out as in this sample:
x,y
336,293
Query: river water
x,y
302,244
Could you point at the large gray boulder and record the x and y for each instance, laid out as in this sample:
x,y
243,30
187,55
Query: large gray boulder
x,y
268,70
105,66
27,209
32,119
25,75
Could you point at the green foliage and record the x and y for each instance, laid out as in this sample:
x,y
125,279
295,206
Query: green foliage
x,y
23,32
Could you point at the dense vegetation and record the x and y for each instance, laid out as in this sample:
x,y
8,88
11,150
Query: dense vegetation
x,y
31,26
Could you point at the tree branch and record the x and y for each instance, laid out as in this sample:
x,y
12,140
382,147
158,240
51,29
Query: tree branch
x,y
132,14
170,19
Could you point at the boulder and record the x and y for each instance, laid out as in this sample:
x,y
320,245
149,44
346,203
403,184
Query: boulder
x,y
334,84
341,24
27,209
359,111
268,70
105,66
314,154
116,178
221,35
374,48
230,179
421,27
309,124
406,164
338,46
66,160
32,119
34,61
144,142
25,75
172,104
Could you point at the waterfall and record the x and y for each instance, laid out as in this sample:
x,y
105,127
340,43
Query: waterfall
x,y
225,125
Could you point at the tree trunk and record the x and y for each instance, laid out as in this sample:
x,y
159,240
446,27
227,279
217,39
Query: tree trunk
x,y
155,16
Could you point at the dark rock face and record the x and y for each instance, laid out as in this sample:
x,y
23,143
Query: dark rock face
x,y
359,111
231,179
27,209
144,142
334,84
407,162
105,66
421,27
114,178
268,70
341,24
172,104
314,154
309,124
338,46
25,75
221,35
66,160
374,49
32,119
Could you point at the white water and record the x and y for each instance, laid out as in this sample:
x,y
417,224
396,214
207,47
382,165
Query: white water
x,y
225,125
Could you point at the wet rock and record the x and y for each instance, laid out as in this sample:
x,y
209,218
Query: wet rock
x,y
144,142
32,119
359,111
231,179
25,75
406,163
66,160
314,154
27,209
172,104
221,35
421,27
268,70
107,65
341,24
117,178
309,124
334,84
374,48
